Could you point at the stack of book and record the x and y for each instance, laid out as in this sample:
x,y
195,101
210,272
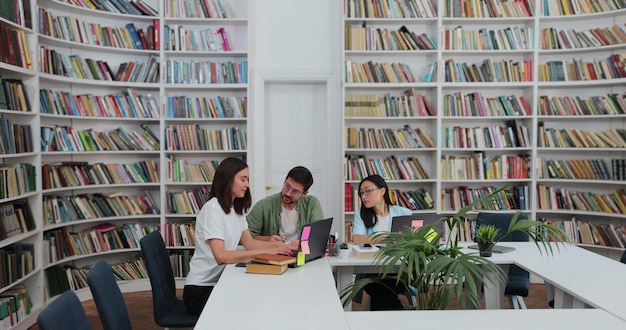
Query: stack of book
x,y
269,264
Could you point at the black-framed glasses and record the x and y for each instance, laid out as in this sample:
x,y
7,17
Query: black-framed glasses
x,y
294,192
367,192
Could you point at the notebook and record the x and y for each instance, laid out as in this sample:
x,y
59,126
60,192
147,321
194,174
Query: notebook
x,y
496,248
400,223
314,239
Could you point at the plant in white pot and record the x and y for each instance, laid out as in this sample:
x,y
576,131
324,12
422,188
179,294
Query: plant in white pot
x,y
436,271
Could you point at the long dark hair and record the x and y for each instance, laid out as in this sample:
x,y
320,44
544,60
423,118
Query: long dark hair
x,y
367,214
222,186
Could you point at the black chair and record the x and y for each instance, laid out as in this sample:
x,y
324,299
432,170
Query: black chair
x,y
518,280
64,312
169,311
108,298
623,258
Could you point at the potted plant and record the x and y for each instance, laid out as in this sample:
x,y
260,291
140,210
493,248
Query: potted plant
x,y
344,250
486,236
435,271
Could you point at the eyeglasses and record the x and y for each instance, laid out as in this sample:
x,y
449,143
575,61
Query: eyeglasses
x,y
367,192
294,192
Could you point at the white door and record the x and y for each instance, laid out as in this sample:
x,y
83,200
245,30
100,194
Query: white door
x,y
299,128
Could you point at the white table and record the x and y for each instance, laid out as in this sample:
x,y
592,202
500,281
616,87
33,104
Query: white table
x,y
580,277
301,298
509,319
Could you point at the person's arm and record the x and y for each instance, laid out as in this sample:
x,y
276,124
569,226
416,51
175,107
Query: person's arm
x,y
253,247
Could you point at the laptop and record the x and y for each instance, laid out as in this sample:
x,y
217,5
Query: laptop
x,y
496,248
400,223
314,239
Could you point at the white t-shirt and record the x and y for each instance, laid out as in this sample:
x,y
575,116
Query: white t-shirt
x,y
289,224
212,222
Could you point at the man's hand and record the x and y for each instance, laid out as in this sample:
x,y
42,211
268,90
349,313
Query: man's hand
x,y
277,238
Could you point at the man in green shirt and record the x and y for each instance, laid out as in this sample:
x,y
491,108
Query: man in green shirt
x,y
280,217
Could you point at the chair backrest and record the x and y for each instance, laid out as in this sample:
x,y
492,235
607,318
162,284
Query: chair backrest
x,y
65,312
108,297
502,221
160,272
623,258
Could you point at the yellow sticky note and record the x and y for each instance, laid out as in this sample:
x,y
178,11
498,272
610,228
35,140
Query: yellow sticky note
x,y
300,258
431,235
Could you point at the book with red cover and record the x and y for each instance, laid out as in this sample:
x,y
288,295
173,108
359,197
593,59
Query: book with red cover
x,y
273,259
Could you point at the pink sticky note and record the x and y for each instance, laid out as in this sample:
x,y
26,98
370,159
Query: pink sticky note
x,y
305,233
304,245
417,223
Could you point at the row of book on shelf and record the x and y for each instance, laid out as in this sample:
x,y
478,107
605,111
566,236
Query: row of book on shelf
x,y
576,231
513,135
553,198
14,47
591,232
550,137
419,199
371,72
360,37
178,170
67,208
552,38
509,198
128,7
14,137
181,38
126,104
186,202
198,9
17,260
15,218
484,167
83,32
389,9
387,138
193,137
411,104
206,107
461,104
13,96
489,71
509,38
61,278
77,173
390,168
61,243
611,67
15,306
580,169
578,7
17,179
16,11
67,138
206,72
608,104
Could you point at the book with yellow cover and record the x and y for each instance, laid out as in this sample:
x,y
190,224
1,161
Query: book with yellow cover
x,y
273,259
257,268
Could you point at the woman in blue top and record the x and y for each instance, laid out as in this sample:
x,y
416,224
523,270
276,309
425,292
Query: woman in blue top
x,y
376,211
375,215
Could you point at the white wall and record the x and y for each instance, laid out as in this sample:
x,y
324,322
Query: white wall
x,y
299,41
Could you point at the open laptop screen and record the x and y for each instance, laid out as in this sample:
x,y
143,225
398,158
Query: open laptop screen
x,y
400,223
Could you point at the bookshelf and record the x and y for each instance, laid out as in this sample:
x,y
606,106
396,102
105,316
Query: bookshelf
x,y
132,125
494,65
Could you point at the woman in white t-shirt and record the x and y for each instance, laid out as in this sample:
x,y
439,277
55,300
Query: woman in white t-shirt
x,y
220,226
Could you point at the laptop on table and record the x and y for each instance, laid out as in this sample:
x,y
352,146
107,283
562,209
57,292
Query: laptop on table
x,y
314,240
403,222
